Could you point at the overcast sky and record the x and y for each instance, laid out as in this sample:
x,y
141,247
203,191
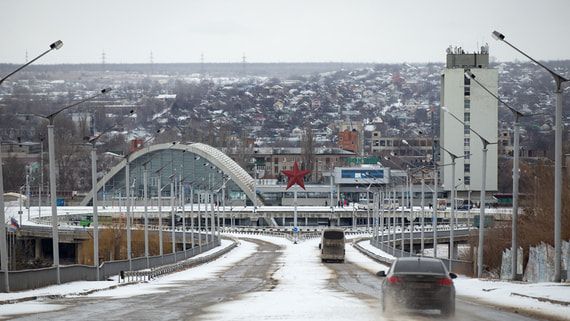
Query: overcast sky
x,y
279,30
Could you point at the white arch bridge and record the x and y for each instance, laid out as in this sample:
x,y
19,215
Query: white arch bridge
x,y
199,165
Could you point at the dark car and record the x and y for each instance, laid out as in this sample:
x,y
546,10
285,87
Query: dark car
x,y
418,283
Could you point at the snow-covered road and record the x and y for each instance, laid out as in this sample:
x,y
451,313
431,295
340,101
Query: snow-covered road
x,y
265,278
303,292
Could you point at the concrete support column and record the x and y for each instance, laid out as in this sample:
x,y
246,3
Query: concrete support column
x,y
38,248
78,252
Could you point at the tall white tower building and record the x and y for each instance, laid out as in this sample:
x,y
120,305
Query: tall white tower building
x,y
479,110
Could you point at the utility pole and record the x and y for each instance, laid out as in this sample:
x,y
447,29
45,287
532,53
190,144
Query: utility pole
x,y
28,203
128,205
41,177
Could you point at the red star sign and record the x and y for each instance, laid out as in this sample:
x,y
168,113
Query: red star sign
x,y
295,176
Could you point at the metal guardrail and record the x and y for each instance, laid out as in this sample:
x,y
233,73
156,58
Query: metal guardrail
x,y
304,234
284,234
459,266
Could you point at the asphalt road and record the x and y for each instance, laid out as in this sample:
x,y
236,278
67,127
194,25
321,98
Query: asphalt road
x,y
184,301
365,285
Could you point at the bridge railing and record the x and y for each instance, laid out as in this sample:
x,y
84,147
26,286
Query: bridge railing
x,y
36,278
458,266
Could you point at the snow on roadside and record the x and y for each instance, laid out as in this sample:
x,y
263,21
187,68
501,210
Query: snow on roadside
x,y
302,291
243,250
354,256
367,246
31,307
207,270
502,293
62,289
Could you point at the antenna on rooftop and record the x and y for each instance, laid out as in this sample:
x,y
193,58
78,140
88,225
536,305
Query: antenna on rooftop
x,y
26,55
202,64
243,62
151,59
103,58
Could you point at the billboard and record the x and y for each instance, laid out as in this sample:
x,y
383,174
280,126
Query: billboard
x,y
362,175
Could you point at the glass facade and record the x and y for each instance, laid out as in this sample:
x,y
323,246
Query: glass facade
x,y
179,166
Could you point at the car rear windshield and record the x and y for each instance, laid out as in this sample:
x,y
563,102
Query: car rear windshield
x,y
419,266
334,235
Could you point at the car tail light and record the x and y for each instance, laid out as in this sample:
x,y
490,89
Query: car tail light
x,y
445,282
394,280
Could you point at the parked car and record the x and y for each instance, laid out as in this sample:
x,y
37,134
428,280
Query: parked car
x,y
418,283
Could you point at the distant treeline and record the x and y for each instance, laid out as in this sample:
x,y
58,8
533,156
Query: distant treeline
x,y
212,69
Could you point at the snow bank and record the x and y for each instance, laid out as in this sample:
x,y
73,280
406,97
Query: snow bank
x,y
367,246
207,270
516,295
244,249
545,298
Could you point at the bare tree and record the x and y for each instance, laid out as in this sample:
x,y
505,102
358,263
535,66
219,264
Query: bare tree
x,y
537,221
72,157
14,170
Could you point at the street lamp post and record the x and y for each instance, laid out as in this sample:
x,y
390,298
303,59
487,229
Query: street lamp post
x,y
128,207
331,197
93,142
20,212
3,246
485,143
212,216
559,80
375,221
54,46
516,175
422,241
434,216
145,205
454,157
411,201
192,217
94,201
199,218
382,215
41,176
394,223
224,204
402,223
52,183
182,203
159,197
29,169
368,209
172,215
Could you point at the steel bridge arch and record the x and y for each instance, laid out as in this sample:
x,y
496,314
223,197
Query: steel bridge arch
x,y
213,155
